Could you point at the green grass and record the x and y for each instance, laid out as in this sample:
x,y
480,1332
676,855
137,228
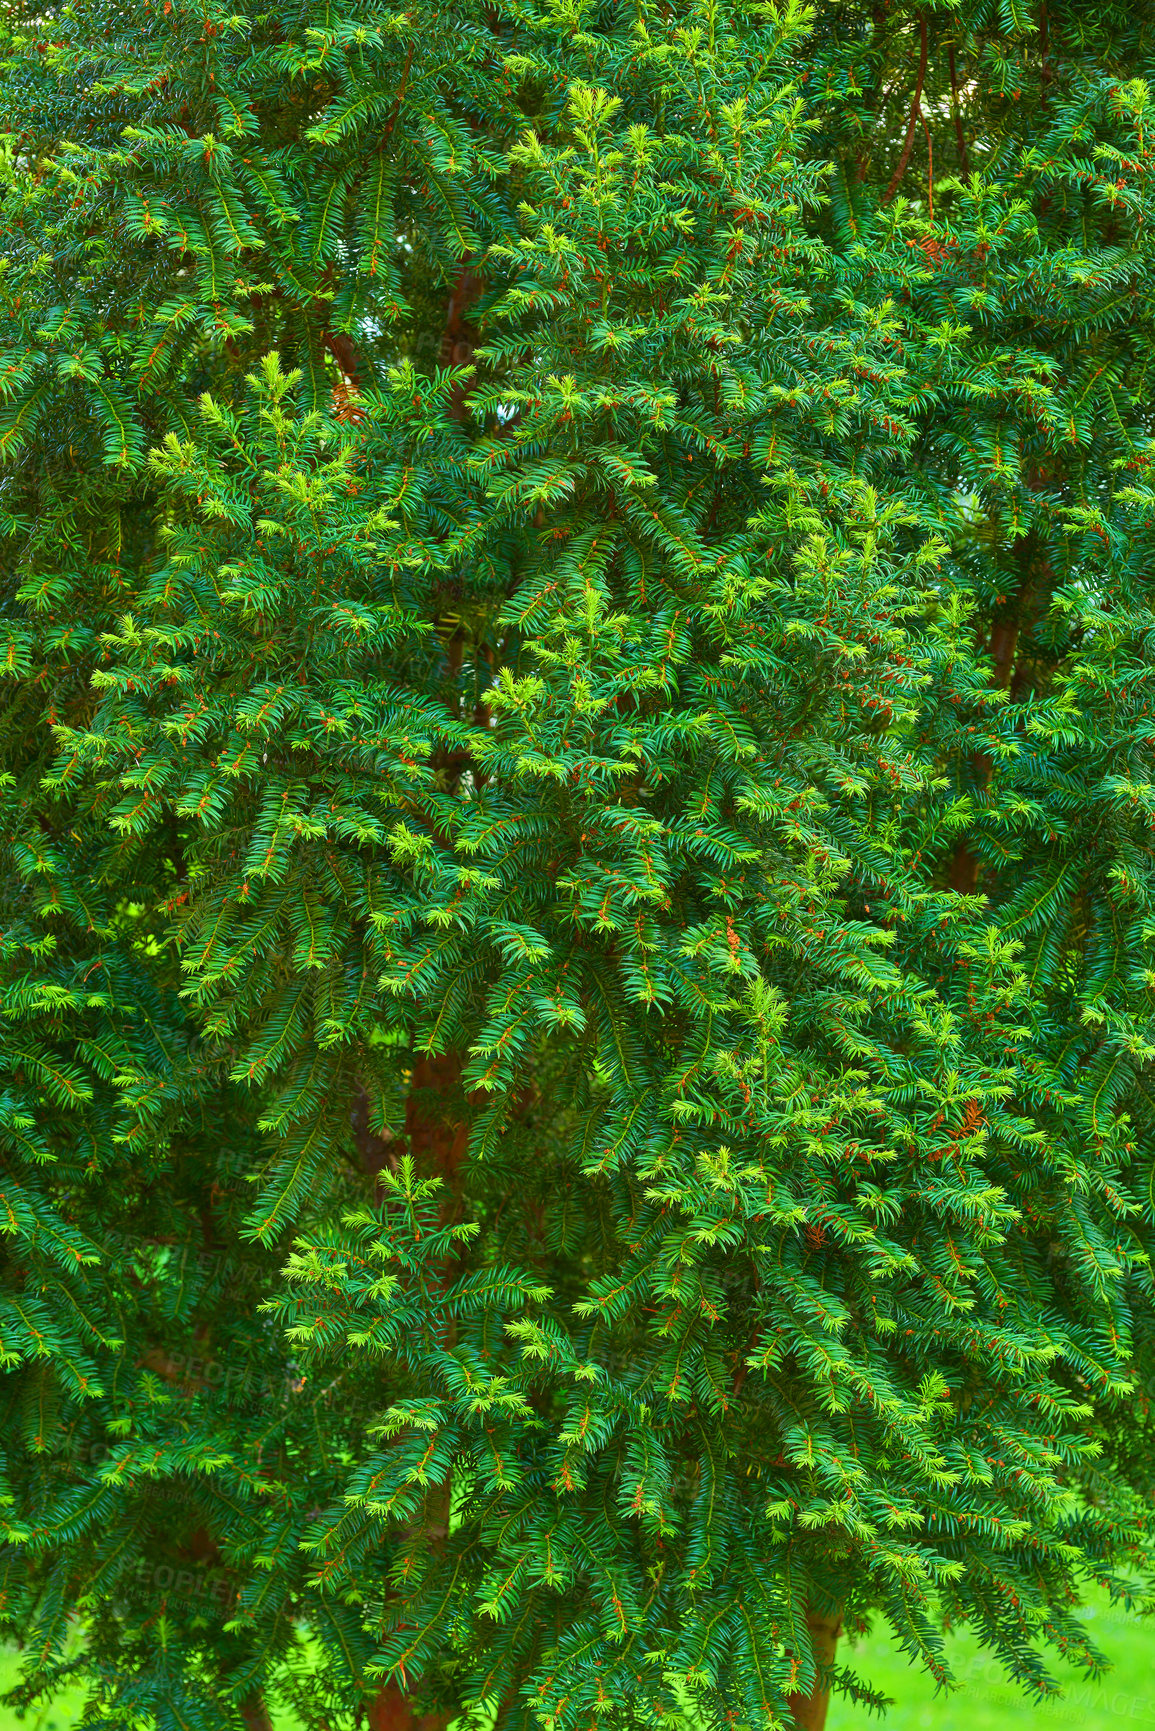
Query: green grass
x,y
1124,1698
987,1702
62,1714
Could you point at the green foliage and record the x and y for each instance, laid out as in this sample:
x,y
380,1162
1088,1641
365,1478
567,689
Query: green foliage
x,y
577,887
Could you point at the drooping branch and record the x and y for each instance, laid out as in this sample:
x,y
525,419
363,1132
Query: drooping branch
x,y
915,114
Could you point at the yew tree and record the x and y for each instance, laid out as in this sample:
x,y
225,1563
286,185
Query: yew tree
x,y
576,875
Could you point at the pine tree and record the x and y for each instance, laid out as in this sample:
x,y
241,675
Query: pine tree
x,y
577,868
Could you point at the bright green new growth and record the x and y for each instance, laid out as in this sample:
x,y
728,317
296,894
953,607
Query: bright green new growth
x,y
577,882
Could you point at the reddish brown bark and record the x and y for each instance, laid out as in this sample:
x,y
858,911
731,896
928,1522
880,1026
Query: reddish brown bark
x,y
1003,643
255,1714
964,871
340,346
436,1130
1002,649
373,1151
460,337
390,1710
810,1710
437,1136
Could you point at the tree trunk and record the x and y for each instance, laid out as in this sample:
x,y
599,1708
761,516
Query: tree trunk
x,y
437,1138
255,1714
435,1130
1002,649
810,1710
390,1710
460,337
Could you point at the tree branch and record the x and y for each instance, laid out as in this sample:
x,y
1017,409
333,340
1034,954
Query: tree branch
x,y
956,110
915,115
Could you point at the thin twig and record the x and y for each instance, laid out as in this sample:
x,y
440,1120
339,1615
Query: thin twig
x,y
864,153
400,96
956,110
915,114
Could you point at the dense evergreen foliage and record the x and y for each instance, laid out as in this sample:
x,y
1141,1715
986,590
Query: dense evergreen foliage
x,y
577,886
